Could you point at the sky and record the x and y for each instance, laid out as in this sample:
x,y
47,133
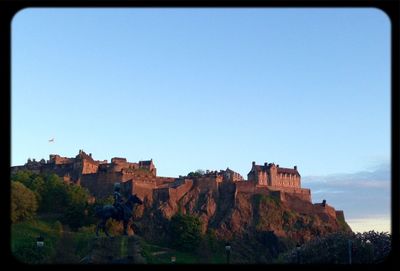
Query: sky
x,y
210,89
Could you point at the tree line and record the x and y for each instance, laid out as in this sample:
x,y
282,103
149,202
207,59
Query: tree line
x,y
33,194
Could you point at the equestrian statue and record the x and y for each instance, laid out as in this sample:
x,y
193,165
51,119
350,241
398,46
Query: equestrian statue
x,y
120,211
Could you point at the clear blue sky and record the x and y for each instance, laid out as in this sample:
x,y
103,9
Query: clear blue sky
x,y
204,88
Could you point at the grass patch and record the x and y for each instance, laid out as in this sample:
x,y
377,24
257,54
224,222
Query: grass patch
x,y
160,255
23,241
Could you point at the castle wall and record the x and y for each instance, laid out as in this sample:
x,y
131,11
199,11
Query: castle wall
x,y
121,164
273,175
65,171
176,193
164,181
88,168
148,165
142,175
233,176
262,178
327,209
251,176
143,189
287,180
58,160
208,182
245,187
302,193
101,185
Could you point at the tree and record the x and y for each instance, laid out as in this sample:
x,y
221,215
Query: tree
x,y
197,173
56,196
367,247
23,202
74,216
33,181
185,231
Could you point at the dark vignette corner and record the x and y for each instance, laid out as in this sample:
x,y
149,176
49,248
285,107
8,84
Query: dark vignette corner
x,y
9,8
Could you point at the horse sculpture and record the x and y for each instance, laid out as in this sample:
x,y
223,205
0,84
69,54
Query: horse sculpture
x,y
109,211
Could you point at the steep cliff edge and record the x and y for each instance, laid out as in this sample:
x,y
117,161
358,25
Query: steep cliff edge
x,y
232,214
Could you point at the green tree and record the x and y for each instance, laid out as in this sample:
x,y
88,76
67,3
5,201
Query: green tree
x,y
367,247
197,173
33,181
23,202
185,231
54,196
76,195
77,210
74,216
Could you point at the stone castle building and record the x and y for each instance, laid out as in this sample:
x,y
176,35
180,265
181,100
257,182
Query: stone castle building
x,y
273,175
99,176
141,178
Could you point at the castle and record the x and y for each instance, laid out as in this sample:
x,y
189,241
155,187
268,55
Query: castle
x,y
141,178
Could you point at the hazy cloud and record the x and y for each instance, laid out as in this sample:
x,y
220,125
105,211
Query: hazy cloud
x,y
378,223
379,177
362,195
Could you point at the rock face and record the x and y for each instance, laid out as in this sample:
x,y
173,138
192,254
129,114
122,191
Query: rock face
x,y
231,213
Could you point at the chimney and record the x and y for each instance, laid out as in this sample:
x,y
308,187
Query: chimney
x,y
295,167
253,163
265,164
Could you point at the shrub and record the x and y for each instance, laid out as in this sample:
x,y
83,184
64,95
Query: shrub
x,y
334,248
23,202
74,216
185,231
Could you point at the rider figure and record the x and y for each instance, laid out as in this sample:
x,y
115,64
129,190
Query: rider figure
x,y
118,200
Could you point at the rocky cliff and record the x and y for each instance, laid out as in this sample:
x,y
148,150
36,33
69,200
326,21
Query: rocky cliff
x,y
232,214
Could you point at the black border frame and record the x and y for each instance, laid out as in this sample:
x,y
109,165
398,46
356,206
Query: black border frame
x,y
8,8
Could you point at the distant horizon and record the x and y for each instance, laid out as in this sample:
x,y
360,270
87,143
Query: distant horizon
x,y
212,88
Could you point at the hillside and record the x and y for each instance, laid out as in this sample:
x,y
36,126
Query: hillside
x,y
261,217
250,221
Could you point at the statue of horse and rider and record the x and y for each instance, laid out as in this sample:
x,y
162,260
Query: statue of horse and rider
x,y
120,211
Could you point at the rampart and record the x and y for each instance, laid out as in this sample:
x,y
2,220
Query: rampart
x,y
303,193
101,185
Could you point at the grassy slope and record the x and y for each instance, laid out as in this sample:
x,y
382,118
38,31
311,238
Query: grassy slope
x,y
63,246
23,241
